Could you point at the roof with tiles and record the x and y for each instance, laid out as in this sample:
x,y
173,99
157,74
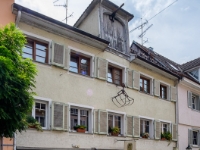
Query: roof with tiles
x,y
191,64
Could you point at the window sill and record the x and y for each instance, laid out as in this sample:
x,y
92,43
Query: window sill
x,y
164,99
146,93
114,84
74,132
195,110
78,74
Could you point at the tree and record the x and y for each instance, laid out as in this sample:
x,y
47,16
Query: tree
x,y
17,80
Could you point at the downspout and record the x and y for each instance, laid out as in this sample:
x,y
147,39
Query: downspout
x,y
15,142
18,18
177,114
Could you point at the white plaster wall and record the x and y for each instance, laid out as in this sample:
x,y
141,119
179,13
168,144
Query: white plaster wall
x,y
55,139
91,22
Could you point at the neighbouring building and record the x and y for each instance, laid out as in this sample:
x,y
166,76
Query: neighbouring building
x,y
81,69
189,105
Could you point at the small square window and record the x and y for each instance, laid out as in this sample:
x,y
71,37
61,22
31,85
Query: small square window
x,y
163,92
144,85
35,50
80,64
114,75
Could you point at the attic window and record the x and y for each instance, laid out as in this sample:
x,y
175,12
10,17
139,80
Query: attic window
x,y
195,74
173,67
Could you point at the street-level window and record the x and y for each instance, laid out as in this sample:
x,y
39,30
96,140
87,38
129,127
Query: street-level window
x,y
40,113
79,64
144,85
35,50
114,120
163,92
195,137
114,75
79,116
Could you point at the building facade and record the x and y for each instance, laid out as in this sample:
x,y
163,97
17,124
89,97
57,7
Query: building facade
x,y
80,71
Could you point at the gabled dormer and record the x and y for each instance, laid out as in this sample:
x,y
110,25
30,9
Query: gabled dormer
x,y
107,21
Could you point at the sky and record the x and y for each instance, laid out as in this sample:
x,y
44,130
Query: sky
x,y
174,34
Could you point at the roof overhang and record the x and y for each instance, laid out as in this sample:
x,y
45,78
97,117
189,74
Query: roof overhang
x,y
188,82
105,3
43,22
141,61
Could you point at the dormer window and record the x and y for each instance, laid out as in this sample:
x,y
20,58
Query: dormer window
x,y
195,74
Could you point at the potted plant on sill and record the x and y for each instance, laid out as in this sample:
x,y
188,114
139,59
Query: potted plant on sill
x,y
115,131
33,123
166,136
145,135
80,128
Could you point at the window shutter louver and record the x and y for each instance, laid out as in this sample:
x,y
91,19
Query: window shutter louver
x,y
102,67
96,121
66,117
103,122
57,116
58,54
136,80
157,129
189,99
129,78
67,58
129,126
156,88
190,137
173,94
136,126
174,132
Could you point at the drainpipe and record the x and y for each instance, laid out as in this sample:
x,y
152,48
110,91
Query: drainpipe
x,y
14,146
18,18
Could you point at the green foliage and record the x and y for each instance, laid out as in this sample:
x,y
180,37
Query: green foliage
x,y
167,136
115,130
17,79
32,123
80,127
145,135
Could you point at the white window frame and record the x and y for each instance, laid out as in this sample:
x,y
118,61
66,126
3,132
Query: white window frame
x,y
123,116
151,126
42,39
85,54
46,101
195,102
166,122
90,115
119,66
168,90
150,78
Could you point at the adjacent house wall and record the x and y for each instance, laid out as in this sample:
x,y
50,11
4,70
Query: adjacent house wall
x,y
62,86
6,12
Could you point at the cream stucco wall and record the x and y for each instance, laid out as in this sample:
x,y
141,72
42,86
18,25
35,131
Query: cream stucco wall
x,y
62,86
91,22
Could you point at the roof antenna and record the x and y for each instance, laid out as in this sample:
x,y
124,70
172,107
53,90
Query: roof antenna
x,y
66,7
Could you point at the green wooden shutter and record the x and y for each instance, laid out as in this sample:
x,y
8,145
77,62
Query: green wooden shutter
x,y
129,126
136,80
58,54
67,58
101,68
136,126
173,94
174,132
157,129
103,122
57,116
129,78
156,87
189,99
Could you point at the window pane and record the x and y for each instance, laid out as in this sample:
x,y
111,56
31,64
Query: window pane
x,y
109,79
141,126
84,66
194,137
74,117
147,126
73,65
110,121
40,113
24,55
40,59
40,53
84,118
28,49
41,47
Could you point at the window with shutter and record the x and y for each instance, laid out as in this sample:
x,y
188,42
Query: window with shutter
x,y
174,132
144,85
173,94
114,75
115,121
129,126
96,121
163,91
58,116
103,122
156,87
129,78
136,80
190,137
157,129
136,126
67,58
101,68
58,54
189,99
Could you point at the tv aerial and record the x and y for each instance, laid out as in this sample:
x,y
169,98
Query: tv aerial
x,y
141,26
66,7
